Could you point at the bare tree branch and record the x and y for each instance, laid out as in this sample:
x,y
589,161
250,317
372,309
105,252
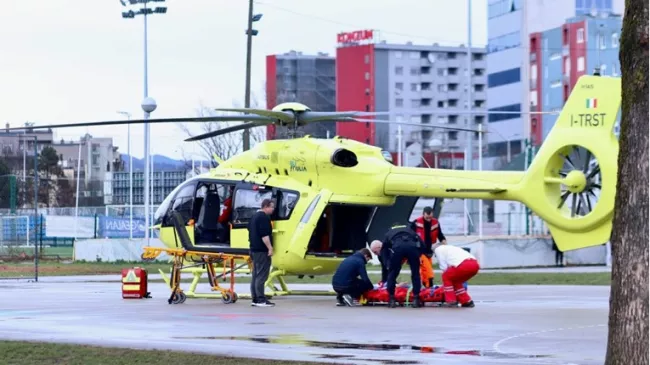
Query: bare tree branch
x,y
227,145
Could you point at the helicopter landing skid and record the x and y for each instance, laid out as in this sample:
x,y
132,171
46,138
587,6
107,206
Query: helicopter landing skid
x,y
278,275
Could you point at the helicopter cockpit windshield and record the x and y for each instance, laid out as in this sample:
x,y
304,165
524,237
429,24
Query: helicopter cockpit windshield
x,y
163,208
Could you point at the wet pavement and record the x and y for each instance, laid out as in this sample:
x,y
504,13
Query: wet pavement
x,y
509,325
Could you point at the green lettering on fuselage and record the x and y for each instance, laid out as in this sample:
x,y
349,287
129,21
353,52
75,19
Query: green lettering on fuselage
x,y
588,120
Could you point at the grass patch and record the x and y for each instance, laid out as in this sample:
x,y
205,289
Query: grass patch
x,y
60,251
40,353
46,268
49,268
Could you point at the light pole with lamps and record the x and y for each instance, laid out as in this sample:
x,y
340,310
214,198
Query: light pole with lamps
x,y
148,104
128,149
250,32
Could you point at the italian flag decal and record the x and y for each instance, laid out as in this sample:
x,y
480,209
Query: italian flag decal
x,y
592,103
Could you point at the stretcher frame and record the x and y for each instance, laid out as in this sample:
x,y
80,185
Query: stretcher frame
x,y
208,260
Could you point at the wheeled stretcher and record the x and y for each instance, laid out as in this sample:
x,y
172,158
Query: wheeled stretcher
x,y
433,296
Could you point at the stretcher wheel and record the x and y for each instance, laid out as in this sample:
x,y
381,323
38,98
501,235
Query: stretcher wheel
x,y
178,298
229,297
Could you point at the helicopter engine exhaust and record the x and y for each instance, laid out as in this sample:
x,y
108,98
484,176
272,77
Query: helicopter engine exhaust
x,y
344,158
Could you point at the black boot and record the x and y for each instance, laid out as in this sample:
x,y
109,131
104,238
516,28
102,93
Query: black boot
x,y
391,302
469,304
416,303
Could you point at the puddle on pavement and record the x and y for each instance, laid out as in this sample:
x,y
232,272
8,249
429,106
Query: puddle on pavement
x,y
298,340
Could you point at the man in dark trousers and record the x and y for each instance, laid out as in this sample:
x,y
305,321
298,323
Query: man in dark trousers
x,y
261,249
428,228
401,243
351,278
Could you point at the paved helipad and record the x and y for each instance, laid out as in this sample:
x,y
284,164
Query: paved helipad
x,y
509,325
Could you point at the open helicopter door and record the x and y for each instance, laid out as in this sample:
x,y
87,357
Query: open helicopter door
x,y
384,217
307,225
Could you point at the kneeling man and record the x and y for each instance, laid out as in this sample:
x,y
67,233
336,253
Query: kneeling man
x,y
458,266
351,278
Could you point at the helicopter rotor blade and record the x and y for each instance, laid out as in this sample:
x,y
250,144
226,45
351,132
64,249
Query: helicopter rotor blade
x,y
310,116
219,118
428,125
283,116
226,130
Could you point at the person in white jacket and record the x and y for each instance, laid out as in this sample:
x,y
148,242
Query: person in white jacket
x,y
458,266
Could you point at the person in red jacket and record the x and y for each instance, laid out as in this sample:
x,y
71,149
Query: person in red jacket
x,y
428,228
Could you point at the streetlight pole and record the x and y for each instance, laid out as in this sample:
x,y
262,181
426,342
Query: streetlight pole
x,y
148,104
128,149
469,154
250,32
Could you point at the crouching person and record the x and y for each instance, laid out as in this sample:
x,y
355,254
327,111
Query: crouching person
x,y
458,266
351,280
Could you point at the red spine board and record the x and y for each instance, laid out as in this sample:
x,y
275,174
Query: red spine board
x,y
134,283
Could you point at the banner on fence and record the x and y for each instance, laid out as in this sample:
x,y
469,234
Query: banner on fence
x,y
118,227
66,226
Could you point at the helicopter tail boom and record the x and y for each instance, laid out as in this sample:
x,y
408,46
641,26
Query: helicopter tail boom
x,y
571,182
443,183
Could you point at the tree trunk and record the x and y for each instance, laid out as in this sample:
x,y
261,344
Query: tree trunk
x,y
628,304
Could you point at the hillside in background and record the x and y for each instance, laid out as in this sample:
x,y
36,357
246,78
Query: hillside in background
x,y
160,162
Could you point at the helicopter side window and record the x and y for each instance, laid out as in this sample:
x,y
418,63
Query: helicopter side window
x,y
247,202
288,200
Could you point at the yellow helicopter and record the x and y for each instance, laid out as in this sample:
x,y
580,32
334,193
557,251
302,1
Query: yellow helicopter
x,y
333,196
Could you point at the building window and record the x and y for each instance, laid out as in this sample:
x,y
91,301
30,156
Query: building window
x,y
506,41
503,7
442,72
533,72
415,103
414,55
614,73
580,35
567,66
614,40
508,108
414,87
601,41
399,103
399,70
366,59
367,75
398,54
533,98
504,77
399,86
415,71
581,64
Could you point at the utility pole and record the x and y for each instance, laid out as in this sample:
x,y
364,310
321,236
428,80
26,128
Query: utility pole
x,y
469,156
148,104
36,209
128,115
250,32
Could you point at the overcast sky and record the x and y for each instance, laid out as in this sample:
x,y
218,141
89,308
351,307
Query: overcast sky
x,y
64,62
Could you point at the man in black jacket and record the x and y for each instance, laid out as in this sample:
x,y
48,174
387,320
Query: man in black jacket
x,y
351,278
261,249
401,243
